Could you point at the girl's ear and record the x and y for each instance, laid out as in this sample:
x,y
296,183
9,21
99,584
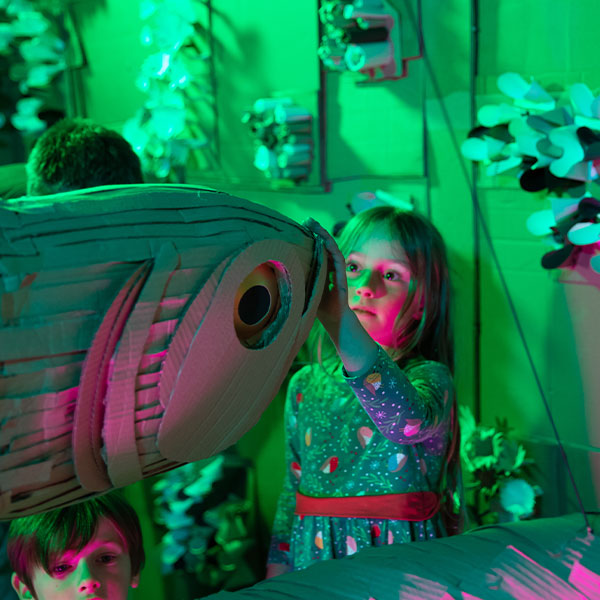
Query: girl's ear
x,y
21,589
135,580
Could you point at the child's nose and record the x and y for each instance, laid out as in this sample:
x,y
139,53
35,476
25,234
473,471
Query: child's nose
x,y
369,286
88,583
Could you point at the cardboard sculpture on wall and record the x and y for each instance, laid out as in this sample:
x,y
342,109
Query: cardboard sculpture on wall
x,y
142,327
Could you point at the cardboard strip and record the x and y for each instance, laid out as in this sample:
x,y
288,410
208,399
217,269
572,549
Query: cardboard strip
x,y
149,413
145,397
46,420
37,438
119,431
23,475
45,339
31,454
147,380
160,334
23,405
37,368
63,494
89,414
57,302
193,426
147,427
151,362
314,290
62,470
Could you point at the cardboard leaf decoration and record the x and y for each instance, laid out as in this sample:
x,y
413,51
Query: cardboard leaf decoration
x,y
548,146
142,327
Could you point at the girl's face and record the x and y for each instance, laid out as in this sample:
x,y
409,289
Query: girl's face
x,y
378,283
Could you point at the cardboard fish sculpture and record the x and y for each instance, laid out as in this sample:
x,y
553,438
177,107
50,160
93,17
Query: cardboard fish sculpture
x,y
543,559
142,327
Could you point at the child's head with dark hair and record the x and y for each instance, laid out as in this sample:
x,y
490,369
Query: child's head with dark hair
x,y
75,154
422,326
93,549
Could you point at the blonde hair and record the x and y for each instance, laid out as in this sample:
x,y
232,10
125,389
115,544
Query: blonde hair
x,y
430,335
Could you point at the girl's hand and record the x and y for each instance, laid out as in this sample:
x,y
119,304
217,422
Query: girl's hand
x,y
334,302
353,344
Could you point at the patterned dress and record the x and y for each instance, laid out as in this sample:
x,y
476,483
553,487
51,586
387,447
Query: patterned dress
x,y
383,432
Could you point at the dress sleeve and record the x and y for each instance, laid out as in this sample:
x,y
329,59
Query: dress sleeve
x,y
407,406
279,550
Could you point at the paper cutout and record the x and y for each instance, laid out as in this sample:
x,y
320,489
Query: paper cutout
x,y
549,147
368,37
122,350
282,134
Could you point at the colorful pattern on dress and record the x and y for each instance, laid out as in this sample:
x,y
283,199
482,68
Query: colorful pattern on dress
x,y
383,432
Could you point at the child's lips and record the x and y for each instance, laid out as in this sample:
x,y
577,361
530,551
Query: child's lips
x,y
363,310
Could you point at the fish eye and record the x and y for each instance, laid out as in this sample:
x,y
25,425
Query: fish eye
x,y
256,303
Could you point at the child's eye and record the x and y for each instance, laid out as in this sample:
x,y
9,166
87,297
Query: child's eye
x,y
392,276
351,267
60,569
107,559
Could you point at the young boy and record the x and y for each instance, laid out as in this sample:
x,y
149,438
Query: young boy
x,y
75,154
92,550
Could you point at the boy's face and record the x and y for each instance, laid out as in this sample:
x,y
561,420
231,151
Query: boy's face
x,y
101,570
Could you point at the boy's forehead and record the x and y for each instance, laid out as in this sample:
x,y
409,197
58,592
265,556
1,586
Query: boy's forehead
x,y
106,533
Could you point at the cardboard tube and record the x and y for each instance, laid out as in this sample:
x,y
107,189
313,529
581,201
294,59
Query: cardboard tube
x,y
287,160
264,158
263,104
366,56
285,114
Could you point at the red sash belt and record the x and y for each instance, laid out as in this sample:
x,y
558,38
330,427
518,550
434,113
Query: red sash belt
x,y
411,506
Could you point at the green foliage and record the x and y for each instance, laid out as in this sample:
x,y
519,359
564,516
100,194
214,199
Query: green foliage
x,y
498,467
33,43
203,511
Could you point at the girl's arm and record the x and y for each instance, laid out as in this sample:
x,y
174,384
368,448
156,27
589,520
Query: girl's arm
x,y
407,407
354,345
278,560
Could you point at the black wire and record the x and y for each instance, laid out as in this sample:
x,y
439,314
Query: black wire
x,y
475,201
482,224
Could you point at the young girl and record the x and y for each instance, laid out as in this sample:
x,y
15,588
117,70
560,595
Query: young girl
x,y
372,455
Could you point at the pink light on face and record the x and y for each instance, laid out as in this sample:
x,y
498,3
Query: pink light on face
x,y
101,570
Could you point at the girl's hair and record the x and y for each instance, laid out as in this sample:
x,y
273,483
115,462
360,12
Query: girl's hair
x,y
430,335
37,540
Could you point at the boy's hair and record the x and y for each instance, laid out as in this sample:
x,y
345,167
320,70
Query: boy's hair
x,y
37,539
75,154
429,336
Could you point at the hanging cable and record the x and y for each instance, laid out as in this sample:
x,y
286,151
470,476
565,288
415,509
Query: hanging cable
x,y
486,234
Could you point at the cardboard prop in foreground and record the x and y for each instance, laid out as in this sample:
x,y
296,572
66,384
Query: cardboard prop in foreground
x,y
142,327
542,559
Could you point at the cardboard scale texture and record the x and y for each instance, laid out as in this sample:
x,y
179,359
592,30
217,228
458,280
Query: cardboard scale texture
x,y
143,327
542,559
